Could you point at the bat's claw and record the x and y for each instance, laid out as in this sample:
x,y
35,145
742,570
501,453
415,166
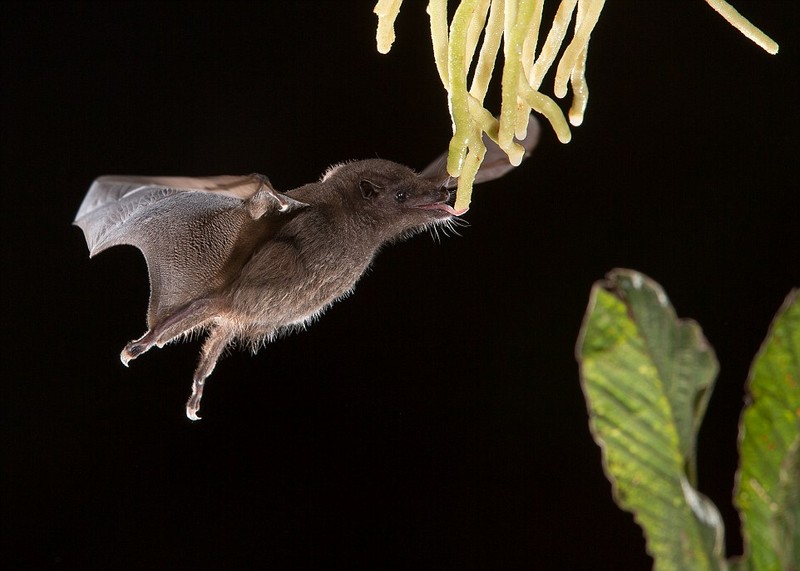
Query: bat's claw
x,y
136,348
193,404
131,351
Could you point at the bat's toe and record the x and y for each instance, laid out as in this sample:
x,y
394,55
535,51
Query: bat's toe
x,y
130,352
136,348
125,356
193,404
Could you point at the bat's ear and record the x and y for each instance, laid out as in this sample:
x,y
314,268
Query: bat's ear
x,y
495,162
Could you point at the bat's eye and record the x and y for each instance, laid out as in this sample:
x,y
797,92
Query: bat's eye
x,y
368,189
401,196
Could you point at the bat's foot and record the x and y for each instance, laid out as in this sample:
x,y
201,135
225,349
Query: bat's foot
x,y
212,350
193,404
133,350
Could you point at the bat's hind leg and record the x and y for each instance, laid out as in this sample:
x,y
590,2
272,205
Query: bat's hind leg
x,y
191,316
214,345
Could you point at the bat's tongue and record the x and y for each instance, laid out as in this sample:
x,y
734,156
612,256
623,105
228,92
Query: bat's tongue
x,y
445,206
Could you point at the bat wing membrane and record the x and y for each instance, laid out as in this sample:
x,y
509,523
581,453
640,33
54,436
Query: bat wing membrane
x,y
195,233
114,201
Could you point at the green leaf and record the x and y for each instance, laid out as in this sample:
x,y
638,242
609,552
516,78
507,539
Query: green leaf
x,y
647,377
767,489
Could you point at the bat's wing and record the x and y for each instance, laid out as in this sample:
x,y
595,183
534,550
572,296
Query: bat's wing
x,y
195,233
495,162
112,201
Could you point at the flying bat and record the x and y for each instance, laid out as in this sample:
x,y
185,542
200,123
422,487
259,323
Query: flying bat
x,y
234,258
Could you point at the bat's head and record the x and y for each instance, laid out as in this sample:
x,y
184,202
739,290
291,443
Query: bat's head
x,y
399,202
390,196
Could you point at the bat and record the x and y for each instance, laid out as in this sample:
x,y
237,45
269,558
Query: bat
x,y
234,258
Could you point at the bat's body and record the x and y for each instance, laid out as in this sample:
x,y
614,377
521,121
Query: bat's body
x,y
232,256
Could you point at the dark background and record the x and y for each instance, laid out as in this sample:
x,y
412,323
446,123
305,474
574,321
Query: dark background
x,y
434,419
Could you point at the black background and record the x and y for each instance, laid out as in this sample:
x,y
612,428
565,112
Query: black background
x,y
434,419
